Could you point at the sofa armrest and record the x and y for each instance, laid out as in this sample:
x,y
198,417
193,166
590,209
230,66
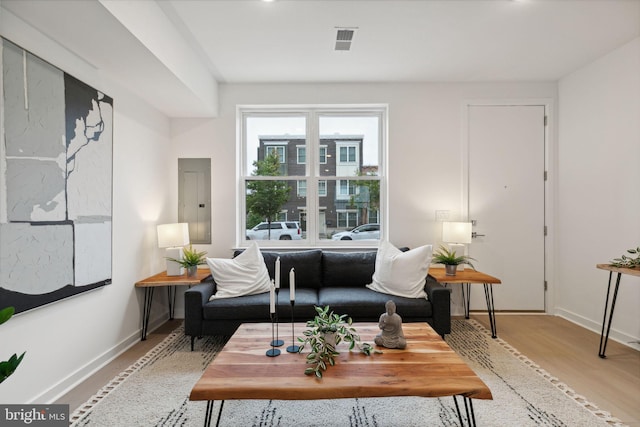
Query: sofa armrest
x,y
194,298
440,298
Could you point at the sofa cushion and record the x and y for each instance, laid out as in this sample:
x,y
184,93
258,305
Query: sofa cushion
x,y
306,264
361,303
401,273
255,308
245,274
352,269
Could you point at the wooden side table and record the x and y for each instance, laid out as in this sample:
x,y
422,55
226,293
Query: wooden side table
x,y
611,269
466,277
161,279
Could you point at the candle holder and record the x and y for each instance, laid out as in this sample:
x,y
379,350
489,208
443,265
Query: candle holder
x,y
272,352
277,342
293,348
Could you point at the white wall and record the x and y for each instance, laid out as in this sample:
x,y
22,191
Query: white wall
x,y
425,148
598,196
66,340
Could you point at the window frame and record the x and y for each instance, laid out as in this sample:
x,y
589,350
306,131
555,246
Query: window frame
x,y
312,115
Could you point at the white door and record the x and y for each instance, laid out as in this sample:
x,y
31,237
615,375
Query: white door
x,y
506,161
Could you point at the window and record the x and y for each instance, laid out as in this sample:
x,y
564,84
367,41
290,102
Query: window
x,y
348,154
323,166
322,188
322,154
302,155
302,188
279,150
346,188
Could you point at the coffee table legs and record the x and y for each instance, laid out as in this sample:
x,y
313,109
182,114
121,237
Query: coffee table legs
x,y
209,413
488,295
468,408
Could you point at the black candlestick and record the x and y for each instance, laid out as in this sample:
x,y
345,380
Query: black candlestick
x,y
293,348
272,352
277,342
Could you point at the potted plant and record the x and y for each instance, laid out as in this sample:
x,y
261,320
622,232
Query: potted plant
x,y
627,261
191,259
451,260
326,331
8,367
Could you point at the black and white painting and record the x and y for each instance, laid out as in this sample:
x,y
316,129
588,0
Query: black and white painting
x,y
55,183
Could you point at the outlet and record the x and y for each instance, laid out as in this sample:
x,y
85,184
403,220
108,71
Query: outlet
x,y
442,215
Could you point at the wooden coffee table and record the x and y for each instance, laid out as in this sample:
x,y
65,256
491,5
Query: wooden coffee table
x,y
428,367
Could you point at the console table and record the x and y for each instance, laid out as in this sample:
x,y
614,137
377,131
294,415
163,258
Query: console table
x,y
611,269
466,277
161,279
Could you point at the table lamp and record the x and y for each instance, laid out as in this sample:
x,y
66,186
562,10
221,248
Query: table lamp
x,y
173,237
457,235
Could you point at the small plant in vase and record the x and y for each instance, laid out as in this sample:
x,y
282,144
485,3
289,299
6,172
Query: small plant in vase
x,y
325,332
451,260
191,259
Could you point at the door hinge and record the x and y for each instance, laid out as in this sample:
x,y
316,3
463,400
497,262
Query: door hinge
x,y
545,230
545,175
545,285
545,120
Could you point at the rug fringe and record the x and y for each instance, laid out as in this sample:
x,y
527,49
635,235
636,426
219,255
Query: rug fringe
x,y
579,399
150,356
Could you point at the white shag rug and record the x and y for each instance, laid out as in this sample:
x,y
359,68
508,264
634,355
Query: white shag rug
x,y
155,392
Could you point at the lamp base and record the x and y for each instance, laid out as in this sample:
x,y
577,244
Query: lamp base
x,y
173,268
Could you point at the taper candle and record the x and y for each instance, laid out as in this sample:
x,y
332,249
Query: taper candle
x,y
292,285
272,299
278,272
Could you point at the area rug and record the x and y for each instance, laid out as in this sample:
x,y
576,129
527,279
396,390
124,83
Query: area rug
x,y
154,392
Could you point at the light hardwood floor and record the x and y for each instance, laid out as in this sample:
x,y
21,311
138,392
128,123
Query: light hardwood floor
x,y
560,347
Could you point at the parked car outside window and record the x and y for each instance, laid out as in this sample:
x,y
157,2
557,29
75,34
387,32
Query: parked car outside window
x,y
280,230
362,232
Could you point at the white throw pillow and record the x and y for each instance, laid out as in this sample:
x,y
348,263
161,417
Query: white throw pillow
x,y
245,274
401,273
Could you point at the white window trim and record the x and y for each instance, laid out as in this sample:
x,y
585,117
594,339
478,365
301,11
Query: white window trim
x,y
312,112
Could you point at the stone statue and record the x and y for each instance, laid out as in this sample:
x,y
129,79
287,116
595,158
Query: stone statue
x,y
391,335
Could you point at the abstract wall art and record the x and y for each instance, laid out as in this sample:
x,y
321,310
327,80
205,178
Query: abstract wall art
x,y
55,182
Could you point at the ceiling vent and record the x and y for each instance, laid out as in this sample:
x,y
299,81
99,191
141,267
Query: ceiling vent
x,y
344,38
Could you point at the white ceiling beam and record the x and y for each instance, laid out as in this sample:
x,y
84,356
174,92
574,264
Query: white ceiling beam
x,y
146,21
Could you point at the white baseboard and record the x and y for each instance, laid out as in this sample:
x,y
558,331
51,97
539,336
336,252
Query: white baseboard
x,y
614,334
73,380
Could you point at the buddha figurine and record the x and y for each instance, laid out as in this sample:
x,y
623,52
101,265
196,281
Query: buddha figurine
x,y
390,324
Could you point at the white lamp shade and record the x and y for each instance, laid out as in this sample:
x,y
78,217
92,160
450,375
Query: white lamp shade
x,y
172,235
456,232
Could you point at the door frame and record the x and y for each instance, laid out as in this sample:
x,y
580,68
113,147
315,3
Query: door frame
x,y
550,156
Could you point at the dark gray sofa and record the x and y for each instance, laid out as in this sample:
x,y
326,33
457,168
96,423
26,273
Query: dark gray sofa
x,y
337,279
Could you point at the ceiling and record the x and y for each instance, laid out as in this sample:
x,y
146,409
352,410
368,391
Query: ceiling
x,y
186,46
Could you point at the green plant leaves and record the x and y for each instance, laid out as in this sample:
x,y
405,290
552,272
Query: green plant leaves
x,y
448,257
627,261
190,257
6,313
323,351
8,367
